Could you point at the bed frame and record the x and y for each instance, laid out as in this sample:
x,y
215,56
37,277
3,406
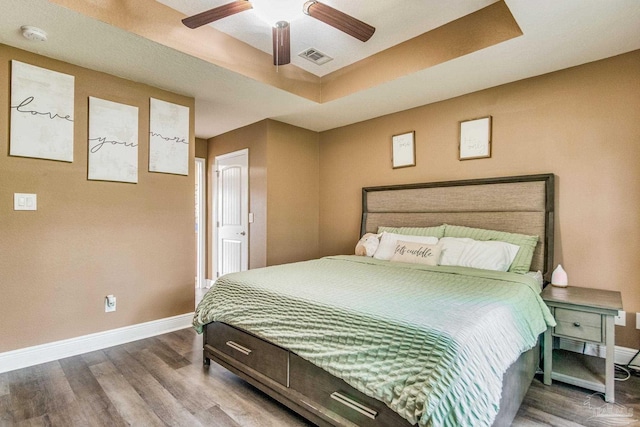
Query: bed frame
x,y
521,204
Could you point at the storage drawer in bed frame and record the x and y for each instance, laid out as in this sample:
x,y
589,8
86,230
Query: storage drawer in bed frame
x,y
320,397
305,388
251,351
324,390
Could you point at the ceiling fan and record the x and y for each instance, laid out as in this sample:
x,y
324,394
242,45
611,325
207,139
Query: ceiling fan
x,y
281,46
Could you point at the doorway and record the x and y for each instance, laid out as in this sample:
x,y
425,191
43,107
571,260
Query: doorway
x,y
201,223
231,212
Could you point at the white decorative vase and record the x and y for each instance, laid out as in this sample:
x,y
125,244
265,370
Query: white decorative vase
x,y
559,277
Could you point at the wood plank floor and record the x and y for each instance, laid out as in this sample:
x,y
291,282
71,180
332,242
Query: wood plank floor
x,y
161,381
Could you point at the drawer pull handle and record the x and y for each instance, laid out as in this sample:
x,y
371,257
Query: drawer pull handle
x,y
238,347
368,412
576,324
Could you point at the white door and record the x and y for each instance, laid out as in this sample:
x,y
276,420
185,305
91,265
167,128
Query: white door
x,y
232,212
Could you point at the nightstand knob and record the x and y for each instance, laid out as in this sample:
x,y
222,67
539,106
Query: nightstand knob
x,y
576,324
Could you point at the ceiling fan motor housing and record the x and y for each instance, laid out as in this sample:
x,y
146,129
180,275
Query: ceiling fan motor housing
x,y
281,43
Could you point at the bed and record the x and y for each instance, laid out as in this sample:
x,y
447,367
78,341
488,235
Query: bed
x,y
395,344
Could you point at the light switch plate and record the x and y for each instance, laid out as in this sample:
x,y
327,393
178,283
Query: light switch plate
x,y
25,202
621,318
109,303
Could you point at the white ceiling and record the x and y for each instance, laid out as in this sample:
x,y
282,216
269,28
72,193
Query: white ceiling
x,y
557,34
395,21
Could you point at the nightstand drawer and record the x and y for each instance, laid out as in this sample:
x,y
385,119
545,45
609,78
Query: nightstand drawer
x,y
578,324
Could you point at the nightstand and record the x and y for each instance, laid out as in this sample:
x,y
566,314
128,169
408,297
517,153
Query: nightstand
x,y
586,315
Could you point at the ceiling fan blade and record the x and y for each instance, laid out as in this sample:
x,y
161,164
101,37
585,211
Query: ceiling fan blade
x,y
340,20
216,13
281,45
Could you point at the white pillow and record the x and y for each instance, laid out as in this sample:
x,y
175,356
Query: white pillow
x,y
489,255
416,253
388,243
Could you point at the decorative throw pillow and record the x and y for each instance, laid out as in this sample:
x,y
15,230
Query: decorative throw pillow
x,y
416,253
521,263
465,252
388,243
367,245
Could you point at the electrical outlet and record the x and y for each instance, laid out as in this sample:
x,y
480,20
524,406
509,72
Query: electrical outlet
x,y
621,318
109,303
637,320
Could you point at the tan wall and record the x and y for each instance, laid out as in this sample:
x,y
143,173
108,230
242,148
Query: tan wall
x,y
283,194
90,238
201,148
580,123
292,194
253,137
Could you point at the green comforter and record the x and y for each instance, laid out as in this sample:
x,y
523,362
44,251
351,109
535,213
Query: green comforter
x,y
431,342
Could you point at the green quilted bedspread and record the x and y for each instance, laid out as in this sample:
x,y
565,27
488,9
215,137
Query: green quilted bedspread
x,y
433,343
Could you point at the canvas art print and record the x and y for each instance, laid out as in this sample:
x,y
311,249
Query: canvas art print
x,y
113,141
168,137
42,111
475,139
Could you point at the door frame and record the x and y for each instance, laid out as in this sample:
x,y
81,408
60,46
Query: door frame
x,y
216,207
201,238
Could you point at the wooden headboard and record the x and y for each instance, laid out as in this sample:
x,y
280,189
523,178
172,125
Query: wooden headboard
x,y
518,204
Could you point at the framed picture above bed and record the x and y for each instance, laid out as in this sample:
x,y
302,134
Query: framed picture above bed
x,y
403,150
475,139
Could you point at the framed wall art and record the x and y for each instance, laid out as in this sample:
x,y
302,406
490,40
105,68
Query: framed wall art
x,y
168,137
403,150
475,139
113,141
42,108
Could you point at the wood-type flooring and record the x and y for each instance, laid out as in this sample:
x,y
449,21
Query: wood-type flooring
x,y
161,381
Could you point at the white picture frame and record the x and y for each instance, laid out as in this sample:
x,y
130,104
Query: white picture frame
x,y
475,139
403,150
42,113
113,141
168,137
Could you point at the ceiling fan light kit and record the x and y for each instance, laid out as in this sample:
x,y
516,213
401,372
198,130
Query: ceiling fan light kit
x,y
280,31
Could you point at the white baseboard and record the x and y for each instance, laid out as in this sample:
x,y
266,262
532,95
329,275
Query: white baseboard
x,y
622,355
29,356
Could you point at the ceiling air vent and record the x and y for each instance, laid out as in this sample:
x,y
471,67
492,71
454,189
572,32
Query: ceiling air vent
x,y
315,56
